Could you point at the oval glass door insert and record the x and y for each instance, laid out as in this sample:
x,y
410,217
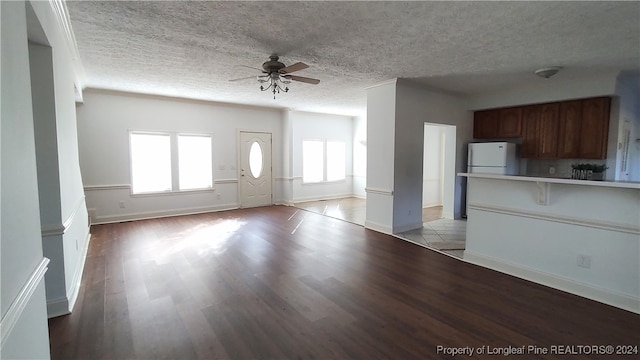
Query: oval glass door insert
x,y
255,159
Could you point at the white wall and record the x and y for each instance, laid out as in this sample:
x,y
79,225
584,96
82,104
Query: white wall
x,y
628,92
314,126
65,225
381,127
359,156
397,111
542,242
20,241
541,90
432,168
285,182
417,105
104,121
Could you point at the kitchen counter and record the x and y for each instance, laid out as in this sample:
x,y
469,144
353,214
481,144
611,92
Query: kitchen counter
x,y
579,236
557,180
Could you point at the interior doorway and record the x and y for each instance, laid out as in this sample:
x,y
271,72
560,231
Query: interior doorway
x,y
438,169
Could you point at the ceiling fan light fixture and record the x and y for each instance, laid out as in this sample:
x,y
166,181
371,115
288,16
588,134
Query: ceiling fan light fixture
x,y
547,72
276,76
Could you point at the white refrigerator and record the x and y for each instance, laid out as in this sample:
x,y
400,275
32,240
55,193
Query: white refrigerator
x,y
492,158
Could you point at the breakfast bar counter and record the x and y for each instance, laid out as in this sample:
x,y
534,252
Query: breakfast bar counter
x,y
579,236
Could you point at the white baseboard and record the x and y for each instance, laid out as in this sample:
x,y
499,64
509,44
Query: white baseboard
x,y
378,227
400,229
319,198
605,296
77,277
109,219
58,307
65,305
284,203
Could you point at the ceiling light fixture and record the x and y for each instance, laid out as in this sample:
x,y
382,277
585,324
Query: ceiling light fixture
x,y
276,76
276,81
547,72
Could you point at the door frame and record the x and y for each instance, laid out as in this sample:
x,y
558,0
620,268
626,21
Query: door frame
x,y
239,162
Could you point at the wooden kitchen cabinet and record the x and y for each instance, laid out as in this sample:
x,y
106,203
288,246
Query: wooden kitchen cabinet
x,y
548,131
540,131
576,129
570,126
510,122
540,124
498,124
485,124
530,131
595,128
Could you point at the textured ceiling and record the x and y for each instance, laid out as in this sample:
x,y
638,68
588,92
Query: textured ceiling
x,y
192,49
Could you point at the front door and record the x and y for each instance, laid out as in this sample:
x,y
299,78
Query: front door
x,y
255,169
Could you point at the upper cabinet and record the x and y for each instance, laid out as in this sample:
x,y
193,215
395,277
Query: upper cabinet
x,y
576,129
496,124
570,125
510,122
595,128
540,131
548,137
485,124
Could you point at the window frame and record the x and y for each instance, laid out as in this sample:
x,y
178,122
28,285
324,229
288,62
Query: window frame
x,y
325,161
185,134
175,176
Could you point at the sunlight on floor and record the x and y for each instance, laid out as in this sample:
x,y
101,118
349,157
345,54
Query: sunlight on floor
x,y
446,235
204,239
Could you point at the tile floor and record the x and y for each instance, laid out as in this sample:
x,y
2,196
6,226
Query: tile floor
x,y
445,235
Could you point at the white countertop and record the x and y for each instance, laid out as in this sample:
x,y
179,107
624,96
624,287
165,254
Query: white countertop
x,y
552,180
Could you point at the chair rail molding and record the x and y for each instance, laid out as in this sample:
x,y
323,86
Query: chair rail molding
x,y
107,187
369,190
22,299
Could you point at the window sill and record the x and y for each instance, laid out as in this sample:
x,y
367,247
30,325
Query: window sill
x,y
175,193
325,182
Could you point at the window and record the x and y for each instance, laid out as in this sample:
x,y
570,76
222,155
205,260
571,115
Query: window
x,y
154,167
335,160
312,161
194,162
150,163
323,161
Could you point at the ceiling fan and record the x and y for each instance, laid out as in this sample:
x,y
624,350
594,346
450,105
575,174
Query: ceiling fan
x,y
276,76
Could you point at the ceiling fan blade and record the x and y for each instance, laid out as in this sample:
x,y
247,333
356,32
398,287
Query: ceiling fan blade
x,y
295,67
244,78
303,79
250,67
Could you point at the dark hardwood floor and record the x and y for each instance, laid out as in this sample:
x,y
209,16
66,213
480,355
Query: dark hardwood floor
x,y
284,283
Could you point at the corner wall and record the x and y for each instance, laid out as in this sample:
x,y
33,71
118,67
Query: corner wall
x,y
65,226
417,105
315,126
359,156
24,331
381,127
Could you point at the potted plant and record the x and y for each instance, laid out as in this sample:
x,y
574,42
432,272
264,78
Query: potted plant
x,y
588,171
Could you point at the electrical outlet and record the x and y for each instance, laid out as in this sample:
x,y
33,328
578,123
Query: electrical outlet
x,y
121,204
552,170
218,196
584,261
